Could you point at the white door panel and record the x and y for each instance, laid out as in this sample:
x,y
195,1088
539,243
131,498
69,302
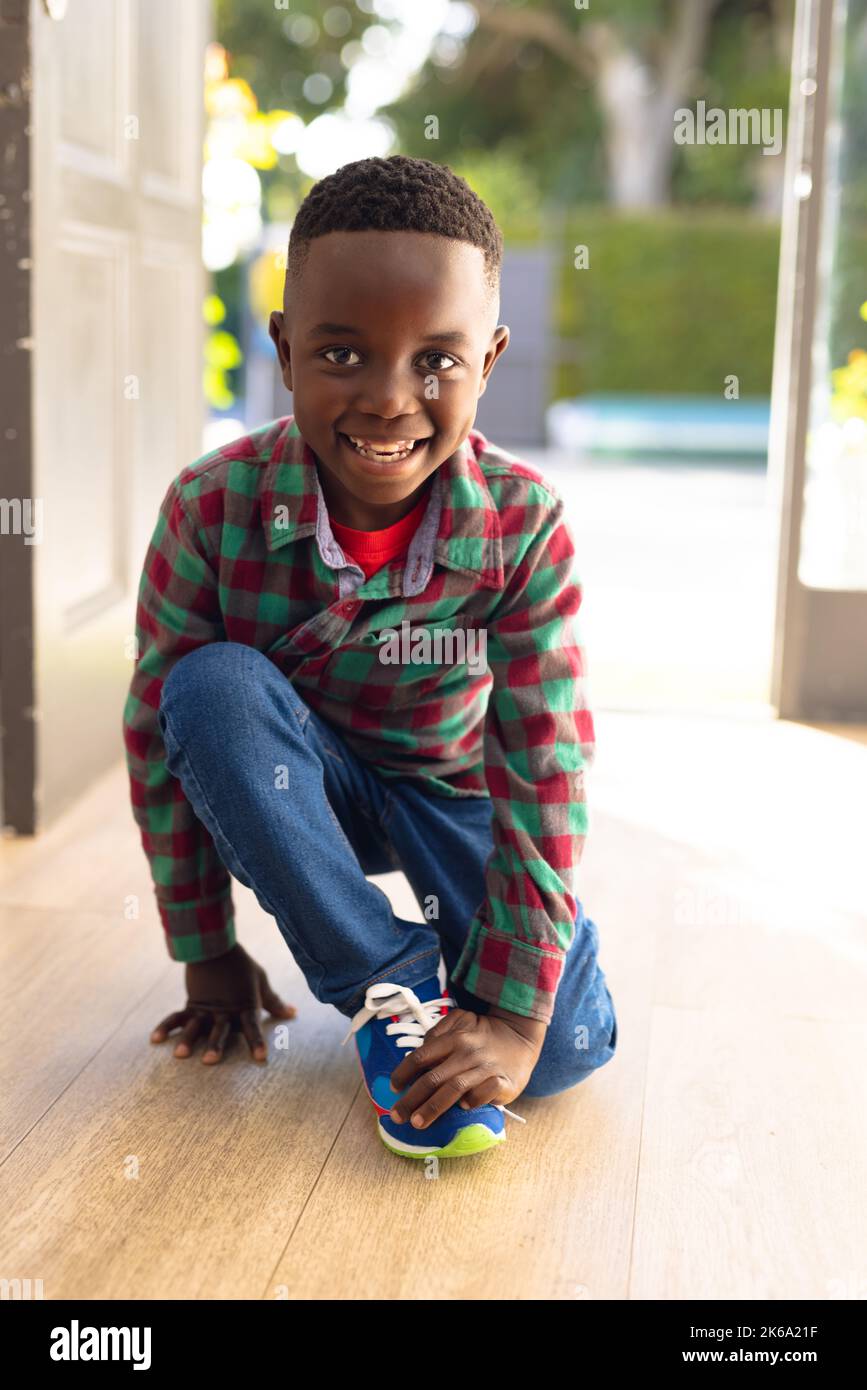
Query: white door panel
x,y
117,393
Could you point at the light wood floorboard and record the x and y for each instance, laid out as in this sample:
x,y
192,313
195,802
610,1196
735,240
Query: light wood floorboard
x,y
721,1154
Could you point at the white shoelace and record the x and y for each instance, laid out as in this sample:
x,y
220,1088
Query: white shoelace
x,y
414,1018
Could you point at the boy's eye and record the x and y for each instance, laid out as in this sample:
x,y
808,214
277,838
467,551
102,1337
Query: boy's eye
x,y
340,349
447,356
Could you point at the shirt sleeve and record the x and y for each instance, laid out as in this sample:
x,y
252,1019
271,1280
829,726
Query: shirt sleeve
x,y
178,609
539,740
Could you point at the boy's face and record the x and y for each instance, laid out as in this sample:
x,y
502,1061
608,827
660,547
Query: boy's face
x,y
391,339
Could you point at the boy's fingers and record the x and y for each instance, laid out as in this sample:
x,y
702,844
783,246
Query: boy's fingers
x,y
483,1094
440,1075
271,1001
437,1068
447,1094
253,1033
175,1020
277,1009
217,1038
191,1031
438,1044
455,1018
420,1060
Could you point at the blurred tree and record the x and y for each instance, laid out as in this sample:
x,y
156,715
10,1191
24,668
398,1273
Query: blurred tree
x,y
582,99
638,56
278,50
587,99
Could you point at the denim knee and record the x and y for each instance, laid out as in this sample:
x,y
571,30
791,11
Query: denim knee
x,y
202,684
201,670
209,680
575,1051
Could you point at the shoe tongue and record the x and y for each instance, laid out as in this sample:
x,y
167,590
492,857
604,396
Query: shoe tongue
x,y
432,988
428,989
435,987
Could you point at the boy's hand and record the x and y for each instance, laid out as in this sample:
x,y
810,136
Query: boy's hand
x,y
224,995
467,1059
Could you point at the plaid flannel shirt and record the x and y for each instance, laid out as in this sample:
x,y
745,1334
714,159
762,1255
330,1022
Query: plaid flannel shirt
x,y
243,551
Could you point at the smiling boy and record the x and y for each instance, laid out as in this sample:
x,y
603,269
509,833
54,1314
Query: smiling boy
x,y
267,736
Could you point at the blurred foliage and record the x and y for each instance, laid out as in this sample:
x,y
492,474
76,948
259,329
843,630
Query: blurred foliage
x,y
538,111
522,94
504,183
214,310
276,50
267,273
524,127
516,95
848,226
674,301
223,357
743,70
850,387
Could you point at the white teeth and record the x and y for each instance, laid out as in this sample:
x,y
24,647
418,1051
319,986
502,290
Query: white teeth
x,y
386,452
397,447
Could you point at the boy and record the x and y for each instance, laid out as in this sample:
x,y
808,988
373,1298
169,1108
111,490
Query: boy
x,y
308,706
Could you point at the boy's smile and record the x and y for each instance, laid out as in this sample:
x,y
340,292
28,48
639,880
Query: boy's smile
x,y
389,343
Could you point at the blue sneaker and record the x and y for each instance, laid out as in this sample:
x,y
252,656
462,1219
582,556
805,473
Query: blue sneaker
x,y
394,1019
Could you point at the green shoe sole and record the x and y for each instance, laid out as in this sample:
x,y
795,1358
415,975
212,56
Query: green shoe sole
x,y
473,1139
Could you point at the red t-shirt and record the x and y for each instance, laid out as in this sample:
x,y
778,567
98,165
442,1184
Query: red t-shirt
x,y
373,549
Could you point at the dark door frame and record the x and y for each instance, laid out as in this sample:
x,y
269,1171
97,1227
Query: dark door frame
x,y
17,728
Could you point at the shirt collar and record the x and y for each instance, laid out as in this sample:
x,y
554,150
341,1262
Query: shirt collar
x,y
460,527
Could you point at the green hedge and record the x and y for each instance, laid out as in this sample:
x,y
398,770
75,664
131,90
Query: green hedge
x,y
673,302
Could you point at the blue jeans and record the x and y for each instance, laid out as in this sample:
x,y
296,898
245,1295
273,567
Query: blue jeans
x,y
299,819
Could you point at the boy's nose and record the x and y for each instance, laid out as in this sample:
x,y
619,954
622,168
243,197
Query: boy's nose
x,y
386,398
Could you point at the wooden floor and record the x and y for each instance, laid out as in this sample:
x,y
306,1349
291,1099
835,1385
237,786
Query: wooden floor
x,y
721,1154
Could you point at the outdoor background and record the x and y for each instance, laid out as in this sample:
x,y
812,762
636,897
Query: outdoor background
x,y
564,129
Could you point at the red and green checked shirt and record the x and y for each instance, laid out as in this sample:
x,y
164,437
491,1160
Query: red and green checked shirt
x,y
243,551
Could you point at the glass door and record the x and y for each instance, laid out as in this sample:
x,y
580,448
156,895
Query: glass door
x,y
818,446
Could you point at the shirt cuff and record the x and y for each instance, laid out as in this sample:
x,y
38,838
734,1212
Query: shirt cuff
x,y
512,974
199,931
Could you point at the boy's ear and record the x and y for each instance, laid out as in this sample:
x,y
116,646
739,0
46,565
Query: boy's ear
x,y
275,330
499,343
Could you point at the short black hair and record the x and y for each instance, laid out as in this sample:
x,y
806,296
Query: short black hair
x,y
396,194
